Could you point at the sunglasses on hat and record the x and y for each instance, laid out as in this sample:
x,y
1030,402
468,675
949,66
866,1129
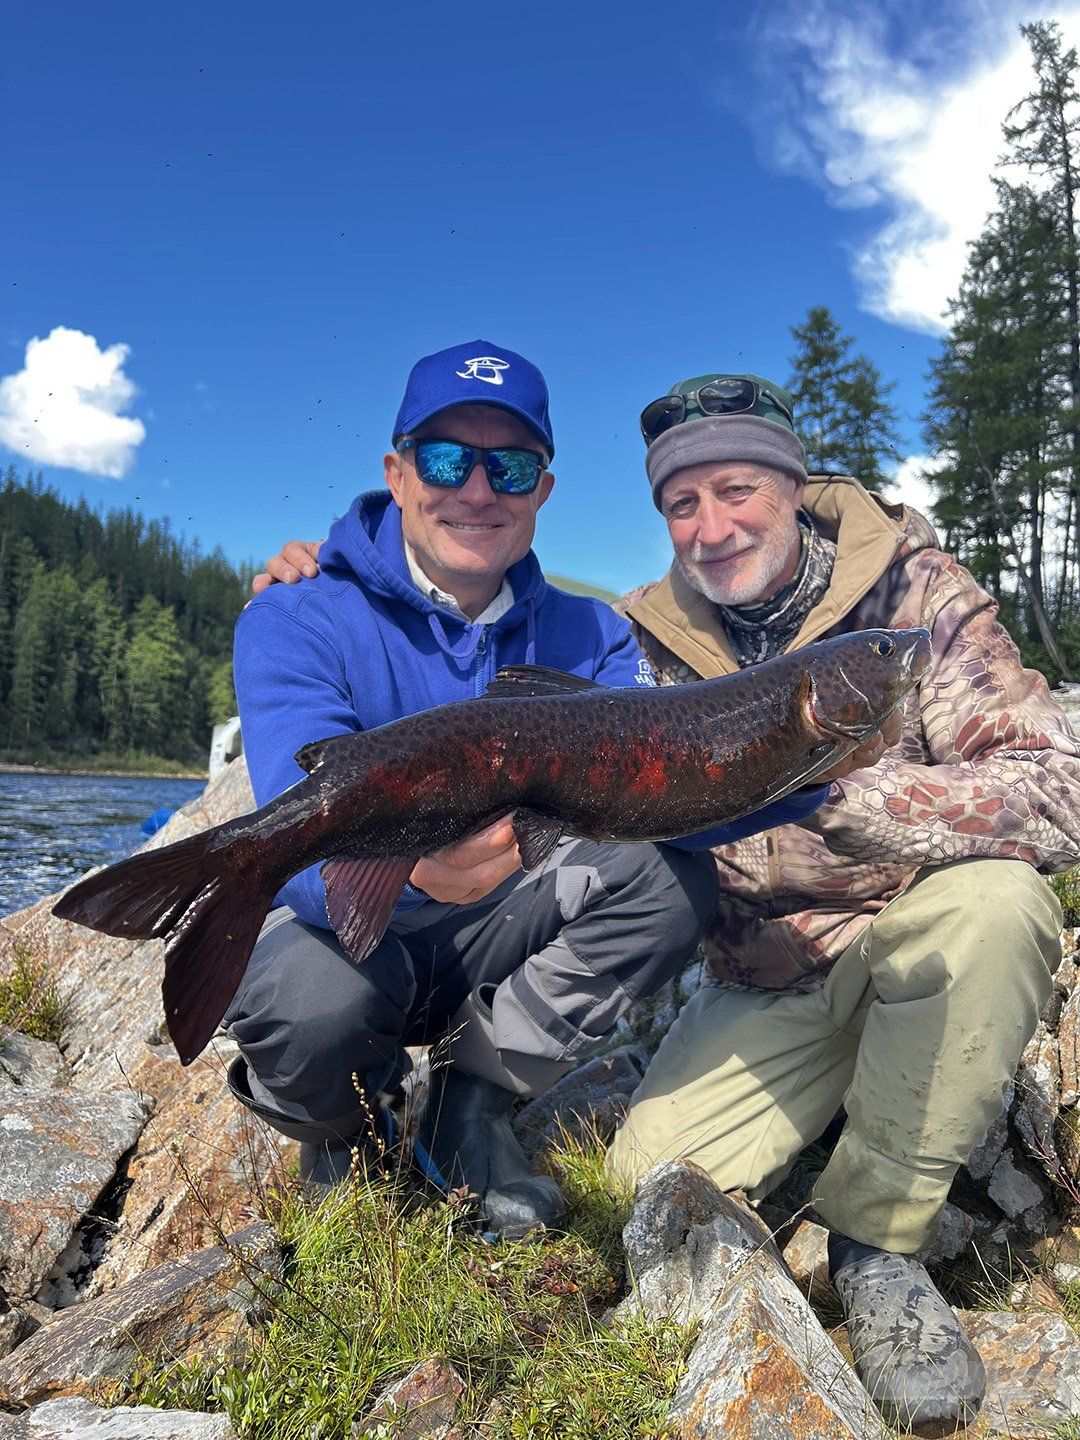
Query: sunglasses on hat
x,y
510,470
718,397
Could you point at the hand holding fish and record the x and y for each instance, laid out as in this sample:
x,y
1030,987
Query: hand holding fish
x,y
869,753
471,869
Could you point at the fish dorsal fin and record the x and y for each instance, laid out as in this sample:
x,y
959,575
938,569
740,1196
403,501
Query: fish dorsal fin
x,y
361,892
526,680
310,757
536,836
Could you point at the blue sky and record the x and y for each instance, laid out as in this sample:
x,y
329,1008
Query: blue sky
x,y
272,210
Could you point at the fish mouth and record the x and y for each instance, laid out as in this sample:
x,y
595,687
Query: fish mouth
x,y
917,658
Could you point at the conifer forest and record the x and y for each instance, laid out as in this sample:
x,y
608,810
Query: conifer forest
x,y
115,635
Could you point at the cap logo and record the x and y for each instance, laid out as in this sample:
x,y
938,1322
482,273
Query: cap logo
x,y
491,365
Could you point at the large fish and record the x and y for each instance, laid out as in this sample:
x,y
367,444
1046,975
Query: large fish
x,y
562,753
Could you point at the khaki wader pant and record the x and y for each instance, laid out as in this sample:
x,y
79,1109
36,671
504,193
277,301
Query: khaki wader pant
x,y
915,1032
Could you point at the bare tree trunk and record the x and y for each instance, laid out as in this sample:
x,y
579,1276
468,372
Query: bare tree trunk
x,y
1046,635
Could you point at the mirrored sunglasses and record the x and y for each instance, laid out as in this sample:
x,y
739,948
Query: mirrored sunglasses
x,y
448,464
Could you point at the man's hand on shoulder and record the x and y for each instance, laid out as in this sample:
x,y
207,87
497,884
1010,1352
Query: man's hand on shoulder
x,y
295,560
472,868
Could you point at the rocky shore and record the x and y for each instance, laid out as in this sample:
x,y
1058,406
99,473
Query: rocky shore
x,y
133,1197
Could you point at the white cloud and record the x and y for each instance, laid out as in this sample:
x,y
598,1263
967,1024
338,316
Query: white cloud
x,y
64,406
917,134
911,486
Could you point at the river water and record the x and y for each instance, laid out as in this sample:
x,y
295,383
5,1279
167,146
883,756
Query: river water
x,y
53,828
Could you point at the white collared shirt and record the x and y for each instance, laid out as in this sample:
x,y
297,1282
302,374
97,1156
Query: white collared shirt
x,y
498,607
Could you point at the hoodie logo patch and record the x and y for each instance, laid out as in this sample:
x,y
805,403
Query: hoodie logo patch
x,y
491,366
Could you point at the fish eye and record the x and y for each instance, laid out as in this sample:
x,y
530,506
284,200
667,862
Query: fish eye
x,y
884,647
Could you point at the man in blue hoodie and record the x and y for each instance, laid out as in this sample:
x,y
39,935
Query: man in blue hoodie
x,y
424,590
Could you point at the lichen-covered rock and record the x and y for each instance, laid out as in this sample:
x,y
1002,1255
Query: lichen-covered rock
x,y
201,1305
1038,1094
1032,1370
201,1154
421,1406
591,1100
1013,1192
1069,1049
764,1368
32,1064
684,1241
806,1255
73,1419
58,1151
762,1365
955,1232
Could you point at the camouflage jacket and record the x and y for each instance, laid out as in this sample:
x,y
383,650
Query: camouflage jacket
x,y
987,764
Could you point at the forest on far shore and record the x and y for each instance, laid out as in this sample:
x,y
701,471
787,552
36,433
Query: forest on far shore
x,y
115,634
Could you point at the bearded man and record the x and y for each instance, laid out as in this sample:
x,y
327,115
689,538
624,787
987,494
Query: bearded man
x,y
888,956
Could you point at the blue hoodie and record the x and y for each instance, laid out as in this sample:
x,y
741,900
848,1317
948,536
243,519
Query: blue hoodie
x,y
360,646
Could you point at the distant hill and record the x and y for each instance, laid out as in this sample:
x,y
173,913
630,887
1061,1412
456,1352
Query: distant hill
x,y
581,587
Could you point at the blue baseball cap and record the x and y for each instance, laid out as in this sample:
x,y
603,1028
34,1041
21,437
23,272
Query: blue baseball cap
x,y
478,373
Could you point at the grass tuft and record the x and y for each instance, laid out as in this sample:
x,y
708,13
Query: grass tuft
x,y
29,999
381,1277
1067,889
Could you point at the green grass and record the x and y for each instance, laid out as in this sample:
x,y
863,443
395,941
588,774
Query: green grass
x,y
1067,889
582,587
29,1001
105,762
381,1277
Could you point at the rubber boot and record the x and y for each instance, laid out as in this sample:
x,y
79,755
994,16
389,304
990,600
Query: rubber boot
x,y
909,1350
465,1138
327,1155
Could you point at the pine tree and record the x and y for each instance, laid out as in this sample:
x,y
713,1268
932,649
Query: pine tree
x,y
106,645
31,664
1043,134
154,675
995,412
842,410
221,698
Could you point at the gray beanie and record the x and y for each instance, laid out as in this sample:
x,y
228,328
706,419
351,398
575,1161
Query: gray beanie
x,y
748,438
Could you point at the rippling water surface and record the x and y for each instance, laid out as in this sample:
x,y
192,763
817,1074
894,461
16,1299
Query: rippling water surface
x,y
53,828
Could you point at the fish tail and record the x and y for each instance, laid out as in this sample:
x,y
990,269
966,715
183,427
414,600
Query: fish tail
x,y
209,912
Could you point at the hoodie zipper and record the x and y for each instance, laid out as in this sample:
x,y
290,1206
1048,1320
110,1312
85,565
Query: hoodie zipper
x,y
482,670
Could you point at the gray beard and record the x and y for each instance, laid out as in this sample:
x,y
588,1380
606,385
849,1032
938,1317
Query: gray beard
x,y
758,632
724,594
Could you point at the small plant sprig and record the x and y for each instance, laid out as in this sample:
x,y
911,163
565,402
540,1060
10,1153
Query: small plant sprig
x,y
1067,889
29,999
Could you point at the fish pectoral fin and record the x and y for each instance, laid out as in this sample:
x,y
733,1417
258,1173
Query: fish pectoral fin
x,y
361,892
310,757
536,836
822,757
525,680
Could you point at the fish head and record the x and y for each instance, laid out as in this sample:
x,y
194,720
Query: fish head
x,y
854,682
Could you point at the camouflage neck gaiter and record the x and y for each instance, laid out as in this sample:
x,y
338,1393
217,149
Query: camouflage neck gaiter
x,y
758,632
